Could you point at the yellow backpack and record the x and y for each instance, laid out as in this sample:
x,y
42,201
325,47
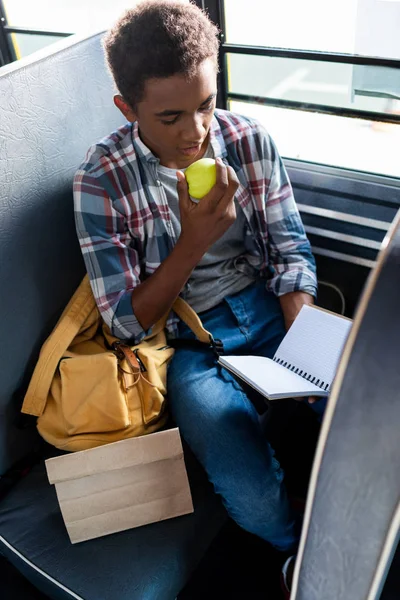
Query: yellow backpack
x,y
89,388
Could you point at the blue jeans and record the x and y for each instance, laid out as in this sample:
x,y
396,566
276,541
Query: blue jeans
x,y
220,423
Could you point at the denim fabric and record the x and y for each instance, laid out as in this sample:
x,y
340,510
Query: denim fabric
x,y
220,423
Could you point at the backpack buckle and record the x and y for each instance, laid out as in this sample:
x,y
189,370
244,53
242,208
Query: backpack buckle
x,y
217,346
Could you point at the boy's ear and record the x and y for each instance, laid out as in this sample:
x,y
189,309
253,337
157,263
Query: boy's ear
x,y
126,110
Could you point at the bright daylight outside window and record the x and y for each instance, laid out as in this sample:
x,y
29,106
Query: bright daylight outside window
x,y
59,16
302,102
293,86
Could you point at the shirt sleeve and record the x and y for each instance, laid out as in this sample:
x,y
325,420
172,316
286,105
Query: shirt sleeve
x,y
291,261
110,254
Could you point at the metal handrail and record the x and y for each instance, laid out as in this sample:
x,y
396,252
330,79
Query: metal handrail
x,y
27,31
319,108
332,57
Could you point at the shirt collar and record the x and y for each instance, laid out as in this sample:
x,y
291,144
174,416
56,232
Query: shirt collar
x,y
217,142
143,151
216,138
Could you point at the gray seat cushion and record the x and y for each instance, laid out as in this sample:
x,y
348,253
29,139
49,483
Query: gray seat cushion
x,y
147,563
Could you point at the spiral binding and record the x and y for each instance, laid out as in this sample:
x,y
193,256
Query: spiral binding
x,y
318,382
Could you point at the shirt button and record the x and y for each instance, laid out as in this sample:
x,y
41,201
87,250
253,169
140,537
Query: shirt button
x,y
158,182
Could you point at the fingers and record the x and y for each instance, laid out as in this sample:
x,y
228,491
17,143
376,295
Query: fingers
x,y
183,191
225,187
313,399
221,184
222,174
310,399
219,197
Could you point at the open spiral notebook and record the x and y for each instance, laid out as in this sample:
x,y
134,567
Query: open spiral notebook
x,y
306,361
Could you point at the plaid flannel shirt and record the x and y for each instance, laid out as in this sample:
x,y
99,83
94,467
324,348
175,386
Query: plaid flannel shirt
x,y
124,226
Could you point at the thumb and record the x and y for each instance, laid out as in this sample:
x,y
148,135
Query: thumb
x,y
183,191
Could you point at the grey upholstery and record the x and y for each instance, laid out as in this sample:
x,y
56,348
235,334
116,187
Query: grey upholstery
x,y
353,510
52,109
148,563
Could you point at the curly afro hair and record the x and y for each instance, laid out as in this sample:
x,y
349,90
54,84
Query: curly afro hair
x,y
157,39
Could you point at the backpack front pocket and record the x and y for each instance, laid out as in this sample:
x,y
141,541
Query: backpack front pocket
x,y
92,397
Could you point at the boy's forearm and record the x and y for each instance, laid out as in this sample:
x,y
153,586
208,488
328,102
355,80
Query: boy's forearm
x,y
202,225
291,304
155,296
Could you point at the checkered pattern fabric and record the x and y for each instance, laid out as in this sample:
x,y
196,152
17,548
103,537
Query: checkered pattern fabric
x,y
124,225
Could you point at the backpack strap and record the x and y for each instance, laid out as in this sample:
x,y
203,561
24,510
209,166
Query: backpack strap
x,y
78,310
192,320
75,314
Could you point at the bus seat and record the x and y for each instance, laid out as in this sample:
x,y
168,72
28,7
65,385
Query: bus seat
x,y
352,520
53,106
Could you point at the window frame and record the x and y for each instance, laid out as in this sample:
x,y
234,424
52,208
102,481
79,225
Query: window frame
x,y
216,10
379,190
7,50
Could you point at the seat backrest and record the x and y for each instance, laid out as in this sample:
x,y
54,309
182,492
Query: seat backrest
x,y
352,519
53,106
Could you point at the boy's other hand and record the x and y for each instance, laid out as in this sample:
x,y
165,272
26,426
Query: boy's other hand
x,y
203,223
310,399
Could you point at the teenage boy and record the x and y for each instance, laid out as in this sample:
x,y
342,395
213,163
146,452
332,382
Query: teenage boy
x,y
239,257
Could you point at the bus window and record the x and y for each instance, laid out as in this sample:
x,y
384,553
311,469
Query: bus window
x,y
325,97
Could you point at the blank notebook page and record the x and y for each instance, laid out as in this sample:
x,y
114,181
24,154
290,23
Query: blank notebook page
x,y
314,343
268,377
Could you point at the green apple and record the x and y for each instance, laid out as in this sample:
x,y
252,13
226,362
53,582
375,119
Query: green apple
x,y
201,177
